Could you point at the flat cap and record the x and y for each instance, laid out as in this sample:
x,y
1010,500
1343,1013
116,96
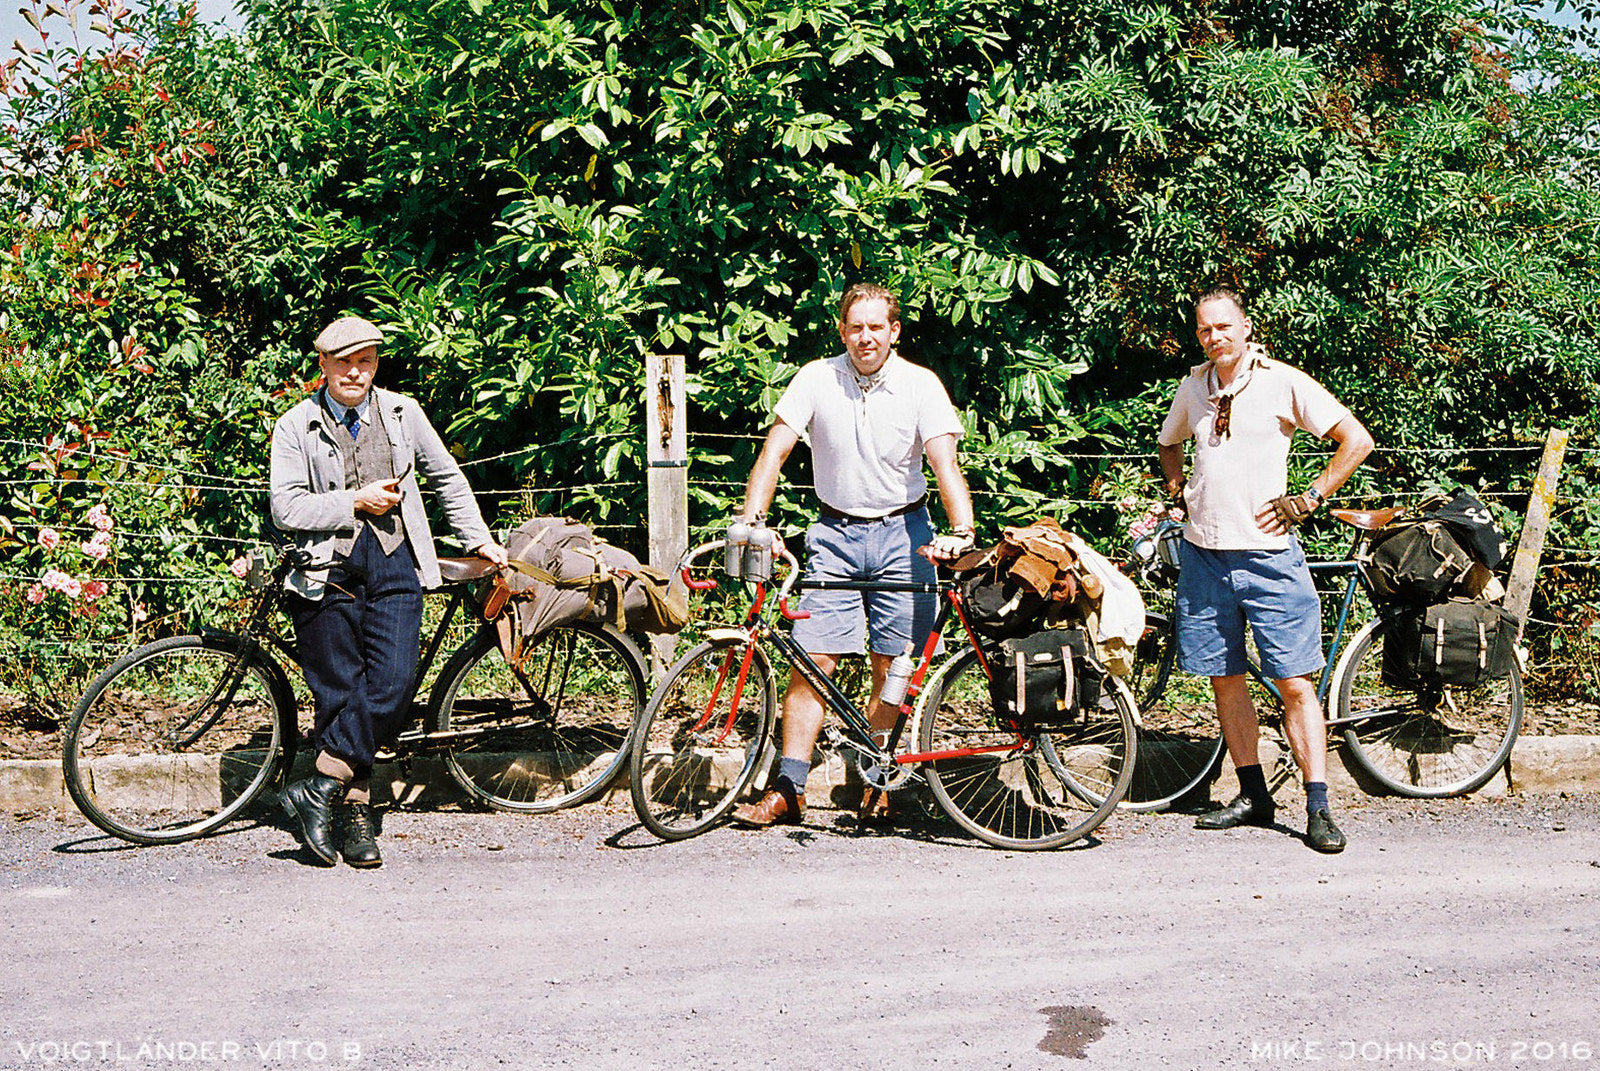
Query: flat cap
x,y
346,335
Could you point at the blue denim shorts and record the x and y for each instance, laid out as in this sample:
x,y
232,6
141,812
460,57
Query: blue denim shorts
x,y
1220,591
886,549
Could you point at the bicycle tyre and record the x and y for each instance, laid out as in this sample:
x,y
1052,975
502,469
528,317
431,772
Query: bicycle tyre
x,y
147,754
1153,659
694,755
550,734
1418,744
1180,742
1054,788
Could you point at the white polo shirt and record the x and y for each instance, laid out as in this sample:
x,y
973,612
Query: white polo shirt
x,y
1237,474
866,445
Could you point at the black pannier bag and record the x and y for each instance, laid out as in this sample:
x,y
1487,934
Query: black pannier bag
x,y
1045,679
1418,564
1463,642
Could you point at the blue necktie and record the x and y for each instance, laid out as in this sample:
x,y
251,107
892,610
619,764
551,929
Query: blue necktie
x,y
352,421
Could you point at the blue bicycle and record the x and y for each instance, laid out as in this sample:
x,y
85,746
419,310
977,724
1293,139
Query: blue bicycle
x,y
1428,742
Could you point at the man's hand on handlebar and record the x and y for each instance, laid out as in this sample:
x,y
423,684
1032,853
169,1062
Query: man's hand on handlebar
x,y
949,547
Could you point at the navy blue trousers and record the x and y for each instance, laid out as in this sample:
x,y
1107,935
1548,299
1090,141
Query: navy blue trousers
x,y
358,646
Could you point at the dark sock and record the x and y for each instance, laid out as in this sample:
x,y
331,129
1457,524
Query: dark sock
x,y
1253,783
794,771
1316,796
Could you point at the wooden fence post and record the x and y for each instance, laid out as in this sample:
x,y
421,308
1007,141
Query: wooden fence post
x,y
1530,545
668,456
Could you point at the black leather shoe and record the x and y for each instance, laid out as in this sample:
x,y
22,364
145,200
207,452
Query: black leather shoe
x,y
309,804
358,840
1241,811
1322,834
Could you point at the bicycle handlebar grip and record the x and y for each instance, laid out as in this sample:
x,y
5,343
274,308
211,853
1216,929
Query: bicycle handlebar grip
x,y
792,615
697,585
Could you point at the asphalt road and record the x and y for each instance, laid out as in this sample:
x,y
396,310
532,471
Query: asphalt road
x,y
1449,934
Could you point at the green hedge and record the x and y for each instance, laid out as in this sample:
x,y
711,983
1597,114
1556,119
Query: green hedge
x,y
532,195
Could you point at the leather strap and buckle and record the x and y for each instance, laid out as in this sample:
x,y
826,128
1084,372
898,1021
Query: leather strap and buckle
x,y
840,515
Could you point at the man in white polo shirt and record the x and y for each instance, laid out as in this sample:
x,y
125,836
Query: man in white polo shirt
x,y
1239,563
870,417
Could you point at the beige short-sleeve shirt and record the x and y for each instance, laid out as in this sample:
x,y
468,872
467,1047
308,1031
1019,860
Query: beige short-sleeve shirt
x,y
1235,475
866,445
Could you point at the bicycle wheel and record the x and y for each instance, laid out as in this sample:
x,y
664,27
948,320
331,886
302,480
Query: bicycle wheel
x,y
695,751
175,738
1439,741
1046,790
1180,743
548,734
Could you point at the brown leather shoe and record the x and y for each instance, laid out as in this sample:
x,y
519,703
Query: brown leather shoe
x,y
780,805
875,809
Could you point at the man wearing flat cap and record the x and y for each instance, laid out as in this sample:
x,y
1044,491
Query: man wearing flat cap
x,y
344,487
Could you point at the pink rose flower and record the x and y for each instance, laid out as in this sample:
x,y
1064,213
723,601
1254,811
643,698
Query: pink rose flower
x,y
96,550
240,567
72,588
94,589
49,538
1128,502
140,614
100,517
35,594
55,580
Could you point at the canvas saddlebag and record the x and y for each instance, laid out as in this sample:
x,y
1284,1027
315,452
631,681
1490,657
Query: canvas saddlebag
x,y
563,573
1420,564
1043,680
1463,642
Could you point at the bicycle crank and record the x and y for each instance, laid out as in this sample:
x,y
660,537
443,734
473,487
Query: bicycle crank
x,y
878,773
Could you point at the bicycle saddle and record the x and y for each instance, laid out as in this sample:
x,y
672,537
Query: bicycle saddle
x,y
459,570
1368,519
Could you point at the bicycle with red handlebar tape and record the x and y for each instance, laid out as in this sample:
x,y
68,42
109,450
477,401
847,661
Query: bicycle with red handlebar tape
x,y
704,740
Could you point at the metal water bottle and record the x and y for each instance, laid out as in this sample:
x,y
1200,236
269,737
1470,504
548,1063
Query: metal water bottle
x,y
734,547
897,679
758,554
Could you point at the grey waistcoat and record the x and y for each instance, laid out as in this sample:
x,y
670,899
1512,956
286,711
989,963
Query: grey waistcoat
x,y
367,458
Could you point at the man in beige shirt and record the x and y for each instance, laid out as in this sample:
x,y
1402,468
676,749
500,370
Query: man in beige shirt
x,y
1240,563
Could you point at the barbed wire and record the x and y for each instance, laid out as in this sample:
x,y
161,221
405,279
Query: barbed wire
x,y
112,578
93,645
1109,455
116,459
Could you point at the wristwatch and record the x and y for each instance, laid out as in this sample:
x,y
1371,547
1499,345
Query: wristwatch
x,y
1312,492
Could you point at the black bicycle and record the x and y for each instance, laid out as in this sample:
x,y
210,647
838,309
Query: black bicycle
x,y
1429,742
183,734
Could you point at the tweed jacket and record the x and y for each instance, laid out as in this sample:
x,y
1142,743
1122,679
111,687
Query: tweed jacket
x,y
311,504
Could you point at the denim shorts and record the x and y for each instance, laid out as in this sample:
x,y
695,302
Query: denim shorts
x,y
1219,591
845,549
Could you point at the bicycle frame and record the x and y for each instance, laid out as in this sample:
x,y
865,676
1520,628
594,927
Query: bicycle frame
x,y
858,733
258,634
1357,581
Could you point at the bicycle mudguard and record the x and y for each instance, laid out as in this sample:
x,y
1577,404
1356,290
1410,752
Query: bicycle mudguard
x,y
726,634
